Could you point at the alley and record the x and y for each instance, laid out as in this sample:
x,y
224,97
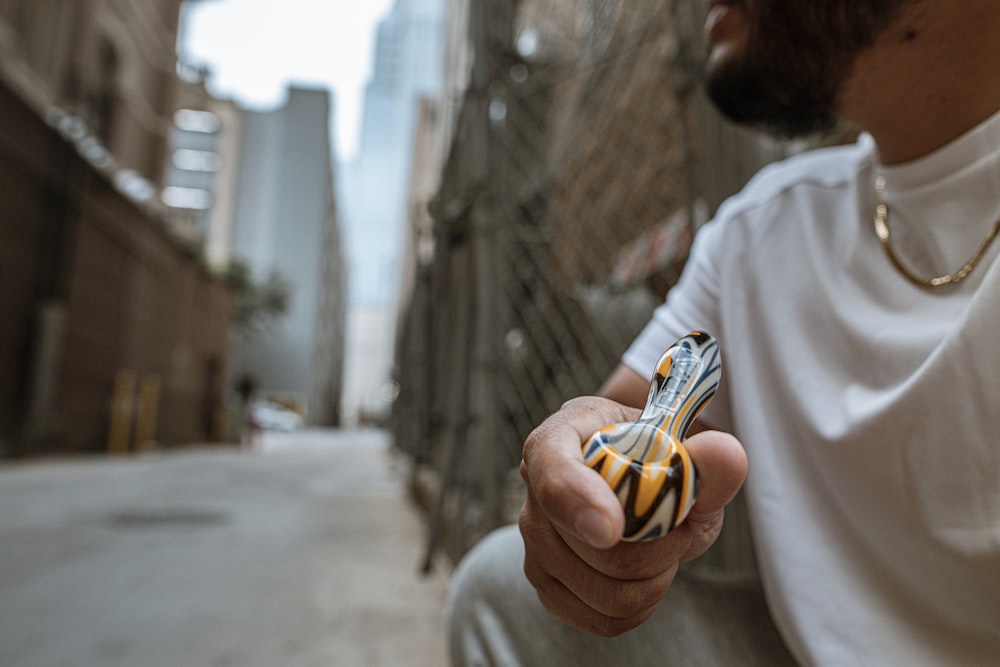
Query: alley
x,y
302,552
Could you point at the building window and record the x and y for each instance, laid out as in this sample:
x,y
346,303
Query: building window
x,y
188,159
190,198
190,120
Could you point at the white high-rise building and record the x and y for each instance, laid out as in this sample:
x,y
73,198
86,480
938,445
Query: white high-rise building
x,y
285,221
408,66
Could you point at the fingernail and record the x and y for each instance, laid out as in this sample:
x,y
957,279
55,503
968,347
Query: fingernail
x,y
595,529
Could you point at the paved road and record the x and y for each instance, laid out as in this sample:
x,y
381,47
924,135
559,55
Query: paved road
x,y
304,552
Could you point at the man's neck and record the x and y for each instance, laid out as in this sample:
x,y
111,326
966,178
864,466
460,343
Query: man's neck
x,y
929,79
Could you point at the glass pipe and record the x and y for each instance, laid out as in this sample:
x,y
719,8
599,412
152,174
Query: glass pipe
x,y
644,461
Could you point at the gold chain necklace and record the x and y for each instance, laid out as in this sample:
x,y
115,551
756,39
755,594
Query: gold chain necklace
x,y
882,229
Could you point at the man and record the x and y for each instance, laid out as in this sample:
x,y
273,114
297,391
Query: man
x,y
855,293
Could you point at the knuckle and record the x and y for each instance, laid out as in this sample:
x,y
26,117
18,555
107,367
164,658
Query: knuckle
x,y
631,599
577,402
704,530
527,525
610,626
625,563
535,440
645,560
532,522
536,576
551,492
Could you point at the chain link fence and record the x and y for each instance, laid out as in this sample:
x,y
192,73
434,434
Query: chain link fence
x,y
583,161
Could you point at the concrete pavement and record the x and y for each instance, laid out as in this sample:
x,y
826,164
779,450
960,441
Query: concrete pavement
x,y
302,552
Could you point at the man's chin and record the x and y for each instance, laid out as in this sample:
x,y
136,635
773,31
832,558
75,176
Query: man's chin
x,y
750,104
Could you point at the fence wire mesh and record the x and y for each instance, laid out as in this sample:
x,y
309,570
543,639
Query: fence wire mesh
x,y
583,160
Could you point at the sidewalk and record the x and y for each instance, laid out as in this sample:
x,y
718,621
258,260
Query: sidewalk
x,y
303,552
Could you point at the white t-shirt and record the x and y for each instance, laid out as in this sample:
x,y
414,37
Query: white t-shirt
x,y
870,408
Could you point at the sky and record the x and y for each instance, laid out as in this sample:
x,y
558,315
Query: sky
x,y
256,48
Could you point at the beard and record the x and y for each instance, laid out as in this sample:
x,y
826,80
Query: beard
x,y
798,55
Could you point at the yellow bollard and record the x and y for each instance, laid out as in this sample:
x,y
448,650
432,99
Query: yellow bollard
x,y
147,412
122,410
222,424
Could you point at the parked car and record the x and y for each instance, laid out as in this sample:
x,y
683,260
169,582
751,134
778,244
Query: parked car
x,y
273,417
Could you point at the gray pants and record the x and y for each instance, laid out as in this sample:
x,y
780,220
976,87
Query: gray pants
x,y
495,618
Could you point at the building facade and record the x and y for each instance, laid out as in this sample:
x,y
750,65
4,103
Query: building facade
x,y
114,334
108,64
285,222
407,68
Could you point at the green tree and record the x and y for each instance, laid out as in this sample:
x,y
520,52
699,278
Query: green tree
x,y
257,303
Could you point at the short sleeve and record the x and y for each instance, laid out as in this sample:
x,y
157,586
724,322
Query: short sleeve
x,y
691,305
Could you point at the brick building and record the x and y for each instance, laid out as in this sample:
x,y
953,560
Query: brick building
x,y
113,334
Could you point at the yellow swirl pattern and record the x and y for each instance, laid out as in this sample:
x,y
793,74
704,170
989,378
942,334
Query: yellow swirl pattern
x,y
644,461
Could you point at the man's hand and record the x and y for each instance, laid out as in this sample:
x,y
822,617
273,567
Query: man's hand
x,y
572,522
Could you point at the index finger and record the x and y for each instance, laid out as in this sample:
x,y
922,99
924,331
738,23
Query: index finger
x,y
572,496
